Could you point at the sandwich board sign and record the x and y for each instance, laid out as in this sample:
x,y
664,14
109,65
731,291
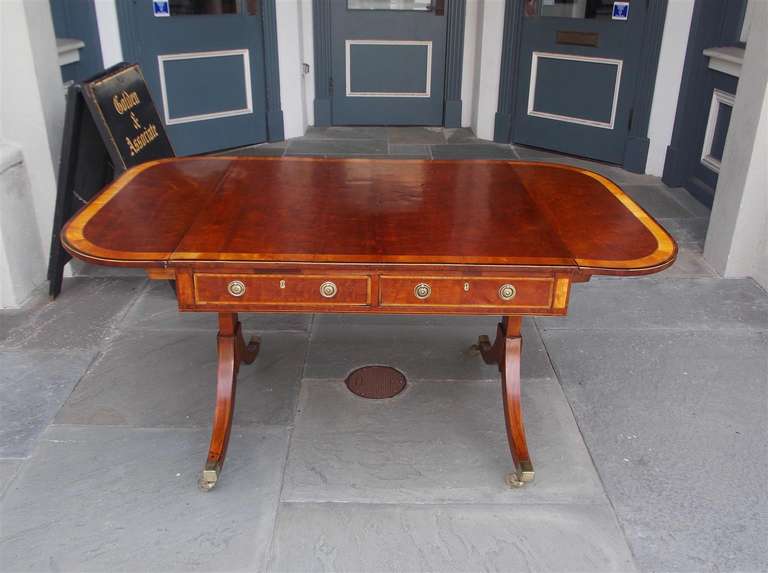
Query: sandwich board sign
x,y
110,126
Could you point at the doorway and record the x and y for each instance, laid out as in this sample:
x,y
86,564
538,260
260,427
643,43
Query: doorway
x,y
204,63
388,62
707,95
579,77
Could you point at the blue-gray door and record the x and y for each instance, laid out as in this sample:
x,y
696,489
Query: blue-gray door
x,y
388,62
204,65
577,75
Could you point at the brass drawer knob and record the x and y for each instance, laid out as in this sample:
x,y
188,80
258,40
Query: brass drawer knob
x,y
236,288
328,289
422,291
507,292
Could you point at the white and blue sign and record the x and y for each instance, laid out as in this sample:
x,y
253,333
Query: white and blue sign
x,y
620,11
161,8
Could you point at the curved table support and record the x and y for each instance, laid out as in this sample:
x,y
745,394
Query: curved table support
x,y
505,351
232,351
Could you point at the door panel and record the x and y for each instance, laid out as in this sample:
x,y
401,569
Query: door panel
x,y
578,73
185,81
388,62
402,69
590,85
204,65
710,136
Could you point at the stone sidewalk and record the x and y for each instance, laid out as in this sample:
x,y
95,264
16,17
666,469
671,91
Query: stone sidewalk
x,y
645,407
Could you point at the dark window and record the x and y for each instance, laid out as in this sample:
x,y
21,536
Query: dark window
x,y
197,7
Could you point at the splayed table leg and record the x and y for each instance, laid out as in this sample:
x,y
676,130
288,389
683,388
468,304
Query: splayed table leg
x,y
232,351
505,352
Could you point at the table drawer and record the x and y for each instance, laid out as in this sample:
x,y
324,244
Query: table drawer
x,y
479,292
270,290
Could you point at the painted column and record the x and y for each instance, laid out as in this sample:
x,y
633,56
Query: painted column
x,y
491,16
454,53
275,129
503,120
737,239
32,118
321,14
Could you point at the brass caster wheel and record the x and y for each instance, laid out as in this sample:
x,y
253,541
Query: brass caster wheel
x,y
512,480
204,485
210,476
520,478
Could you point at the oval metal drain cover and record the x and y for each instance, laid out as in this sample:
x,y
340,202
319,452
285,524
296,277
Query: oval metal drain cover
x,y
376,382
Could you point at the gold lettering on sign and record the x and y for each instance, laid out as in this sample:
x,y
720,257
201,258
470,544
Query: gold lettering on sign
x,y
139,142
125,101
135,121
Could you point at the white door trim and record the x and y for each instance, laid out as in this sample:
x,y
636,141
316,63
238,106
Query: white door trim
x,y
161,59
567,118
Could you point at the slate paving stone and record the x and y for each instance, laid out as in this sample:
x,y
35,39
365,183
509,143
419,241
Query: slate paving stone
x,y
80,317
33,385
344,132
409,149
352,147
8,470
157,309
690,232
257,151
613,172
119,499
436,442
355,538
535,154
423,135
676,423
651,303
421,347
168,379
461,135
689,264
12,318
688,201
83,269
473,151
657,201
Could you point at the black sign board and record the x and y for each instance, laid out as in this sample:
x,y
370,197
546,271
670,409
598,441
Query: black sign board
x,y
111,125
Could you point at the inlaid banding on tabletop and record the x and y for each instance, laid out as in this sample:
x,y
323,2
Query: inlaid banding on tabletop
x,y
143,215
470,212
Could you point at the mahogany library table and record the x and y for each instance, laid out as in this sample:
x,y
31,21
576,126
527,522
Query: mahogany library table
x,y
252,234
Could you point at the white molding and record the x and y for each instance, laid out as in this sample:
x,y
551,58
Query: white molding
x,y
161,59
725,59
425,94
109,32
718,97
567,118
69,50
